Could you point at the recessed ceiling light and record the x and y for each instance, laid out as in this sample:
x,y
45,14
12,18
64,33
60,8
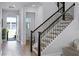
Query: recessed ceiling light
x,y
33,5
12,6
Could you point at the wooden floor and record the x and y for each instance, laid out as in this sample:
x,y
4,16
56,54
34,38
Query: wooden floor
x,y
14,48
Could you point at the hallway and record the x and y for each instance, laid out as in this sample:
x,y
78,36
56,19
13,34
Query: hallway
x,y
14,48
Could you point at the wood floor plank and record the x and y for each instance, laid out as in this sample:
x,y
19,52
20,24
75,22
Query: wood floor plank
x,y
14,48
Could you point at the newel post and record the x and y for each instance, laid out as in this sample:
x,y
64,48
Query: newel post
x,y
31,41
39,46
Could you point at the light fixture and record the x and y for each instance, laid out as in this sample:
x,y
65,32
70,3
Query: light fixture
x,y
12,6
33,5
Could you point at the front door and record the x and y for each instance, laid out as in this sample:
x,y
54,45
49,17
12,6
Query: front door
x,y
11,27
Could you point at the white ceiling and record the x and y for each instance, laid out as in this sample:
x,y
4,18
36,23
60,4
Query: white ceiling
x,y
18,5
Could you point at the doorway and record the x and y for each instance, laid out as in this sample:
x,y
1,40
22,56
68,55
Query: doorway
x,y
30,24
11,27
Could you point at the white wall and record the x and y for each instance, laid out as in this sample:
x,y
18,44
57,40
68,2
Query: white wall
x,y
68,35
0,30
48,9
39,16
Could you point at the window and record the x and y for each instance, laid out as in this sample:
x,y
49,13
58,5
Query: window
x,y
14,25
28,20
8,25
11,19
11,22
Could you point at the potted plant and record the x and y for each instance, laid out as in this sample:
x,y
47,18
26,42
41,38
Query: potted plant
x,y
4,33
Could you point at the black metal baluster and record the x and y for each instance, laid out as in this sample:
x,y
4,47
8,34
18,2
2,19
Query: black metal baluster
x,y
7,35
31,42
53,32
39,46
63,10
60,26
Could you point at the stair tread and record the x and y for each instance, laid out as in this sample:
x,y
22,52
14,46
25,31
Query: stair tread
x,y
57,29
64,22
69,17
43,44
61,26
68,20
54,33
50,37
47,41
36,49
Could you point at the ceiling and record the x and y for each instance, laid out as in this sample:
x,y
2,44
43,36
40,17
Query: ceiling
x,y
18,5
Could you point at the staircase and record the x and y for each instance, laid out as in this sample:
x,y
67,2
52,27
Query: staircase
x,y
48,35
